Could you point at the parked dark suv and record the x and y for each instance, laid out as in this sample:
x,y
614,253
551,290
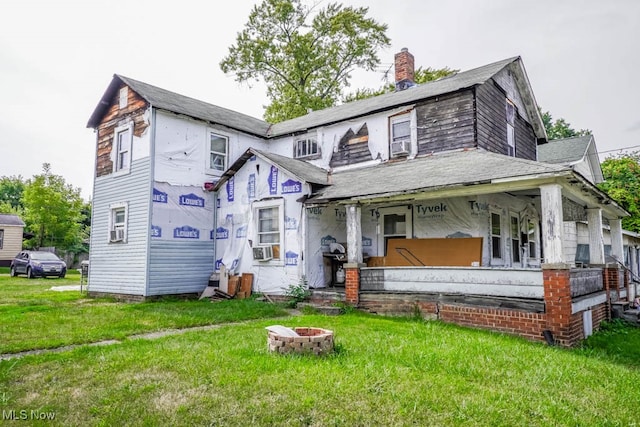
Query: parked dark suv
x,y
38,264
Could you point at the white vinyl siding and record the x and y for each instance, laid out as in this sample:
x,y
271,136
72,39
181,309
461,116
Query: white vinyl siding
x,y
119,268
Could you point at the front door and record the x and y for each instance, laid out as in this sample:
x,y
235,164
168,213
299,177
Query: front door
x,y
393,223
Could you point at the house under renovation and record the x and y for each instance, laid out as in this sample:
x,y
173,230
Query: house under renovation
x,y
433,197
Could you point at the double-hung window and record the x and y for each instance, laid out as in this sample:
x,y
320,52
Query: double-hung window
x,y
400,135
218,146
305,146
496,236
118,213
122,148
269,219
515,238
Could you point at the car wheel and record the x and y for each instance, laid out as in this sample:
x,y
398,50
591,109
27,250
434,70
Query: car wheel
x,y
12,272
61,275
30,273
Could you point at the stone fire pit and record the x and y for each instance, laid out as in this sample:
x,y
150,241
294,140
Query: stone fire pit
x,y
299,340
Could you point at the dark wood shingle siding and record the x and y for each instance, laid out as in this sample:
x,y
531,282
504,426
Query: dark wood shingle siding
x,y
492,118
492,123
525,139
135,110
446,123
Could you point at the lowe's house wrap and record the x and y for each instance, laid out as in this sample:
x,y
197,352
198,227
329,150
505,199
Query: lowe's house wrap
x,y
181,213
260,204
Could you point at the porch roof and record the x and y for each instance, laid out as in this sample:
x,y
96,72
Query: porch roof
x,y
433,172
299,169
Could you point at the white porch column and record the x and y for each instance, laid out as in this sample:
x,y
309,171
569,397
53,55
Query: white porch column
x,y
617,247
596,243
551,203
354,234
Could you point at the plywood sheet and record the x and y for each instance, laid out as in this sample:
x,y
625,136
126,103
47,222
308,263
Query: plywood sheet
x,y
463,252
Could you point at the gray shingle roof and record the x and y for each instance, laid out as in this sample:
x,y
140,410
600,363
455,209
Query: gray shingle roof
x,y
299,169
564,151
449,84
171,101
10,219
430,173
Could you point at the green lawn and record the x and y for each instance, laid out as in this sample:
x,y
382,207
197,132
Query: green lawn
x,y
32,316
385,372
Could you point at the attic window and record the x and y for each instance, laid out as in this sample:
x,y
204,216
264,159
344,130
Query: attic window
x,y
305,146
123,97
511,130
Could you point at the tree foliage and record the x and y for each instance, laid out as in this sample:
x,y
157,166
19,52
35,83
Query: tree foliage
x,y
560,128
420,76
11,189
305,56
622,184
53,211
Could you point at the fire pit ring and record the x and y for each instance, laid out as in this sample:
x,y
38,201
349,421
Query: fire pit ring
x,y
299,340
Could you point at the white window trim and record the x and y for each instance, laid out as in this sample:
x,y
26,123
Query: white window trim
x,y
112,226
1,238
114,148
494,260
313,136
279,203
207,158
411,117
517,237
511,128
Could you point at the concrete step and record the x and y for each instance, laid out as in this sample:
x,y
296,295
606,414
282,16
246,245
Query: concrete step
x,y
323,309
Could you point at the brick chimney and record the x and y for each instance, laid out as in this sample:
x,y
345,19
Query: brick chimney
x,y
404,69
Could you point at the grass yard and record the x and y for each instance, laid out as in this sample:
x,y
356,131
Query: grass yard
x,y
385,371
34,317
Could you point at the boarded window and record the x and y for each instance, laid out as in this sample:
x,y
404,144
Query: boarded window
x,y
511,130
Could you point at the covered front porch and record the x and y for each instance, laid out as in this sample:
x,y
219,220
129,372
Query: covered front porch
x,y
509,268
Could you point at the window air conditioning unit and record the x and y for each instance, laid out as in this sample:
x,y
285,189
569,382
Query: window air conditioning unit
x,y
117,235
262,253
400,148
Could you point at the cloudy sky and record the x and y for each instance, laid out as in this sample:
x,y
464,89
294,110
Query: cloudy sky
x,y
57,58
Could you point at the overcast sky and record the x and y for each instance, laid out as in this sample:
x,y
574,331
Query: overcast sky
x,y
58,57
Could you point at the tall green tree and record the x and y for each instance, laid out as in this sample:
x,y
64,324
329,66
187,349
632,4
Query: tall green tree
x,y
560,128
622,184
420,76
53,211
303,54
11,189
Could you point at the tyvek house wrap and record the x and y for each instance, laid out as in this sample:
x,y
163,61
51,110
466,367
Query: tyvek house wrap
x,y
235,232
